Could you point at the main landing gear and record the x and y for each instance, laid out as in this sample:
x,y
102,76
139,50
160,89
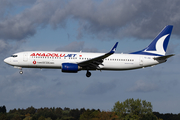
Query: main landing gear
x,y
88,74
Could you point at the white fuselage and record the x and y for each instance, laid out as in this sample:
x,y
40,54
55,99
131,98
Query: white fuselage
x,y
52,59
72,62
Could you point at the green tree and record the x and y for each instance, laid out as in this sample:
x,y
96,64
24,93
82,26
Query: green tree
x,y
28,118
75,113
16,117
30,110
89,114
133,109
48,118
3,116
58,112
106,115
3,109
41,118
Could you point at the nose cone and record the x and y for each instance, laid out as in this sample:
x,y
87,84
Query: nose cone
x,y
7,60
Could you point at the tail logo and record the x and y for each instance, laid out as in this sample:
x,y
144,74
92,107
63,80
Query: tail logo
x,y
114,49
159,46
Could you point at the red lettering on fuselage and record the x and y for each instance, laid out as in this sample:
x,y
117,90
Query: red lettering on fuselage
x,y
55,55
43,54
38,54
48,54
33,54
62,55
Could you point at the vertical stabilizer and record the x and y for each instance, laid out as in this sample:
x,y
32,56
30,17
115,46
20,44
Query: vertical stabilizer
x,y
159,45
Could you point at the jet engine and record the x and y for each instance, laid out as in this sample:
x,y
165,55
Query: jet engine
x,y
70,67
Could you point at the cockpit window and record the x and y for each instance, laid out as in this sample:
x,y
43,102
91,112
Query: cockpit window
x,y
13,55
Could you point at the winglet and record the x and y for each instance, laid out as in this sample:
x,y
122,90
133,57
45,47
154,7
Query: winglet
x,y
113,49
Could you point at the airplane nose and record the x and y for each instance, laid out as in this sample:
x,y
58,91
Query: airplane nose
x,y
7,60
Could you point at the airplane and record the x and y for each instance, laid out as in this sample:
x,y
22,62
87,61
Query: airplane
x,y
72,62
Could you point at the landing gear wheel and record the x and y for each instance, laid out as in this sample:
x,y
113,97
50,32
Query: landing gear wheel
x,y
88,74
21,72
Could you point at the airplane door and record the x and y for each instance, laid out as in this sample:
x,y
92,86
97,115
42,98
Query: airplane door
x,y
141,61
25,57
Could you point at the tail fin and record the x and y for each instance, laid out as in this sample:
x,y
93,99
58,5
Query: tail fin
x,y
159,45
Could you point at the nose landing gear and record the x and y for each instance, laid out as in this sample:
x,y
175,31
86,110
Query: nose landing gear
x,y
21,72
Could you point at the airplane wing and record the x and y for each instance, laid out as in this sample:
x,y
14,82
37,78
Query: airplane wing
x,y
95,62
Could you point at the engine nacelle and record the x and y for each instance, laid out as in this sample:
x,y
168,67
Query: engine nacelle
x,y
70,67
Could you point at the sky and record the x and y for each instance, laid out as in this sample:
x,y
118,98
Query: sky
x,y
90,26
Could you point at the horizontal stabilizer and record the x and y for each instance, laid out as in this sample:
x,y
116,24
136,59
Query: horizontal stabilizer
x,y
164,57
